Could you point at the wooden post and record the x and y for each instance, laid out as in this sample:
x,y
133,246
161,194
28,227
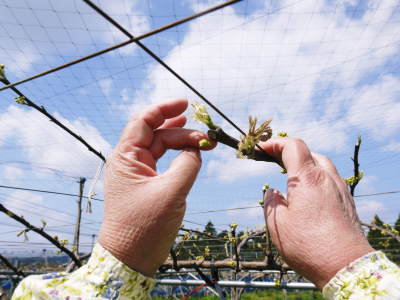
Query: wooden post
x,y
75,245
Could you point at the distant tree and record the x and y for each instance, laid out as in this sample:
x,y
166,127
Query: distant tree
x,y
394,244
377,238
210,229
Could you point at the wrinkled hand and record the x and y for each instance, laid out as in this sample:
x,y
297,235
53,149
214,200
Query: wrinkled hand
x,y
143,209
316,229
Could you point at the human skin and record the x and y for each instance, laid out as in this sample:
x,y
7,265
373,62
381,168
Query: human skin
x,y
144,209
316,229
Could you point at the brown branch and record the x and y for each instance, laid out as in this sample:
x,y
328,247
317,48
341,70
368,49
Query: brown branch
x,y
385,230
249,237
11,266
197,231
356,166
219,135
227,263
72,265
41,232
174,259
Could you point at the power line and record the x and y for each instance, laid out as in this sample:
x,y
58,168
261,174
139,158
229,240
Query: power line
x,y
46,192
119,45
195,212
376,194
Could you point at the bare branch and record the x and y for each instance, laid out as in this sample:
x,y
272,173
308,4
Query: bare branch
x,y
382,229
227,263
357,174
41,232
11,266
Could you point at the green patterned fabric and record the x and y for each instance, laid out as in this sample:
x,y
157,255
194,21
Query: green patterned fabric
x,y
103,277
372,276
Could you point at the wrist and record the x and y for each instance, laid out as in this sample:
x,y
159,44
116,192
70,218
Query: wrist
x,y
337,260
141,246
125,245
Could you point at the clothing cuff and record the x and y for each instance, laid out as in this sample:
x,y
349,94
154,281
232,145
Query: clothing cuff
x,y
370,267
106,267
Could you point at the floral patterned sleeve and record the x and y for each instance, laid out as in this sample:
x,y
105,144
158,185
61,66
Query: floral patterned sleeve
x,y
103,277
372,276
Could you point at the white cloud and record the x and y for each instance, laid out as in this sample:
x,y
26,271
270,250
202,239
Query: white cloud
x,y
32,207
227,168
392,146
43,143
366,209
247,214
376,108
127,13
299,65
367,185
21,61
12,172
106,86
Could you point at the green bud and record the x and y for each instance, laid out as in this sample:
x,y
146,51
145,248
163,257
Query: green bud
x,y
234,226
282,134
201,115
283,171
265,187
204,143
21,100
261,202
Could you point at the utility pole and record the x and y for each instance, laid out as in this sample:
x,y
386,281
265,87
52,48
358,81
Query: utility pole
x,y
93,239
46,265
75,245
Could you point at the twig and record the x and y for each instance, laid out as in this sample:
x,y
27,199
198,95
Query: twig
x,y
249,237
385,230
11,266
41,232
245,265
174,259
356,167
219,135
197,232
72,265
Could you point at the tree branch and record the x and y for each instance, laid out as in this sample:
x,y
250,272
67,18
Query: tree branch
x,y
385,230
356,167
11,266
227,263
41,232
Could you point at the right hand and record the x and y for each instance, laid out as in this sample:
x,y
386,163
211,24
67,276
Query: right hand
x,y
316,229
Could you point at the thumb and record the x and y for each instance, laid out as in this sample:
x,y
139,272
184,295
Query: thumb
x,y
183,171
275,213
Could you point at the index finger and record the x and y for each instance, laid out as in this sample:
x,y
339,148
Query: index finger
x,y
292,152
139,130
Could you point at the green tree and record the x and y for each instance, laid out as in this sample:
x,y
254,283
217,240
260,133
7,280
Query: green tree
x,y
376,237
394,244
210,229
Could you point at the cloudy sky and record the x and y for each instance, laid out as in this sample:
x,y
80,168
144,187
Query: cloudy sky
x,y
325,71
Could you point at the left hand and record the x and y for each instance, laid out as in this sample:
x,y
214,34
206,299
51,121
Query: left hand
x,y
143,209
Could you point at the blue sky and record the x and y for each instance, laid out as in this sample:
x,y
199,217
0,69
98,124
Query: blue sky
x,y
325,71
